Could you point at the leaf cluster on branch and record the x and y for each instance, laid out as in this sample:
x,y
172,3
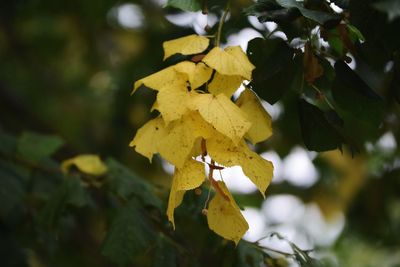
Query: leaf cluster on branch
x,y
198,119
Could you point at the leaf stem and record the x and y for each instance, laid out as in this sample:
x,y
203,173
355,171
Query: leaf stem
x,y
323,95
221,23
263,249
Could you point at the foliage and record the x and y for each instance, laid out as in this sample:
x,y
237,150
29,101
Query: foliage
x,y
66,69
197,122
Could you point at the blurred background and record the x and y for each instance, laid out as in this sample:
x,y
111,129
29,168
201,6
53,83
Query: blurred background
x,y
67,69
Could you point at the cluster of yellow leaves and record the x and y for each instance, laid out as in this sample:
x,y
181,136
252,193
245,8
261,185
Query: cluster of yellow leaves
x,y
198,117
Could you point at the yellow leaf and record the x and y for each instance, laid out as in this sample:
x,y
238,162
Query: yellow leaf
x,y
231,61
224,216
172,99
257,169
221,113
224,84
197,149
261,124
90,164
154,106
190,176
198,73
188,45
177,145
146,139
157,80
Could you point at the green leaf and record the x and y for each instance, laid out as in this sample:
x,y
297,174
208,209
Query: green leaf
x,y
35,147
363,117
186,5
125,184
320,17
275,66
8,144
70,192
248,256
355,33
288,10
336,44
342,38
317,128
165,254
270,10
12,187
390,7
43,184
129,236
12,252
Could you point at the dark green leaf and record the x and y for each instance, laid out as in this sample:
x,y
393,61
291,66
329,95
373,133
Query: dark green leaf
x,y
8,144
270,10
125,183
348,87
165,254
317,128
275,66
12,187
262,5
320,17
129,236
35,147
186,5
43,184
12,254
288,10
70,192
248,256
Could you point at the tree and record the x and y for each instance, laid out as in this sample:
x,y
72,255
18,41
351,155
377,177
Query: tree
x,y
330,67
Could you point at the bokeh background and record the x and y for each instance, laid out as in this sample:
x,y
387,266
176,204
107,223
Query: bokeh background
x,y
67,68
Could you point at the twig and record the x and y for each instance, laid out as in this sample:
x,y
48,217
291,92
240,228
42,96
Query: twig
x,y
221,23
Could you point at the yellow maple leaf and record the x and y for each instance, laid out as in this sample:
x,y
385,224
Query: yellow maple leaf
x,y
188,45
198,74
89,164
261,124
225,84
177,145
146,139
231,61
257,169
222,114
190,176
224,216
